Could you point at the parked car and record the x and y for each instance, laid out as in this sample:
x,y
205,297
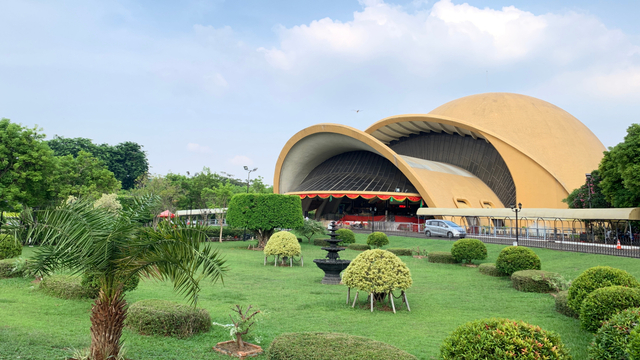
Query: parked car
x,y
444,228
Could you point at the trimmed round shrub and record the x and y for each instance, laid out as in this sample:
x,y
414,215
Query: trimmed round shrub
x,y
634,344
443,257
91,281
377,239
502,339
9,248
603,303
536,281
400,252
320,242
347,236
490,269
283,243
616,337
516,258
330,346
596,278
563,307
166,318
467,250
377,271
65,287
359,247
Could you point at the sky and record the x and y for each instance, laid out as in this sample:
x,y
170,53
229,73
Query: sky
x,y
224,84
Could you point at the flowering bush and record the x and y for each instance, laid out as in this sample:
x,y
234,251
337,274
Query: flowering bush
x,y
283,243
618,337
377,271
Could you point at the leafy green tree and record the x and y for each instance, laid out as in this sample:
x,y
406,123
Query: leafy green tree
x,y
263,213
81,238
309,228
25,163
619,185
169,194
127,161
219,198
579,198
83,176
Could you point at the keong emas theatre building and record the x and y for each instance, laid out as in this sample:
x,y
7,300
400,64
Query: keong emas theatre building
x,y
481,151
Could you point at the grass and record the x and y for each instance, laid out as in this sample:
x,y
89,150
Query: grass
x,y
443,296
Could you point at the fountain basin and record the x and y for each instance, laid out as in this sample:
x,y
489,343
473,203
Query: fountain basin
x,y
332,269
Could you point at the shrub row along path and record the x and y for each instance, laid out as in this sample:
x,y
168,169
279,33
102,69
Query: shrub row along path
x,y
443,296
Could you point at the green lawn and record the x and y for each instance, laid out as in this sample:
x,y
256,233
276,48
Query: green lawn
x,y
35,326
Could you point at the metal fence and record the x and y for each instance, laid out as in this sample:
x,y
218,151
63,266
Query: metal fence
x,y
594,237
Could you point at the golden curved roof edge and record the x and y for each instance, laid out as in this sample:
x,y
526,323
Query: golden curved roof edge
x,y
359,135
455,122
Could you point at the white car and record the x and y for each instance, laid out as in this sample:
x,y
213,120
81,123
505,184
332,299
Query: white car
x,y
444,228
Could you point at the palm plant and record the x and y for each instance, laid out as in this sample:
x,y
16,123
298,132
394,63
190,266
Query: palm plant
x,y
80,238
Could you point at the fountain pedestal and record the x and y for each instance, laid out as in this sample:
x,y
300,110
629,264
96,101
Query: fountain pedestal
x,y
332,265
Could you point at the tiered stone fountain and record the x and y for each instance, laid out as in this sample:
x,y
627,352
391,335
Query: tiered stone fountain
x,y
332,265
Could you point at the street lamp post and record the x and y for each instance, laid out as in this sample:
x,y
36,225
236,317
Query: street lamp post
x,y
244,235
517,210
589,186
373,213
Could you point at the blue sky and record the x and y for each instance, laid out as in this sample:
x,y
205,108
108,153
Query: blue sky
x,y
226,83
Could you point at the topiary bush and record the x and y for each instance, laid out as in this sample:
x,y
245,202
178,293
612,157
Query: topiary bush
x,y
443,257
283,243
320,242
65,287
9,248
377,239
467,250
603,303
537,281
596,278
166,318
502,339
347,236
378,272
359,247
516,258
330,346
615,338
400,252
563,307
490,269
91,281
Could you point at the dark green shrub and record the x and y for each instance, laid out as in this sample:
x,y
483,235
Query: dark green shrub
x,y
596,278
400,251
7,269
614,338
65,287
9,248
443,257
516,258
91,281
502,339
347,236
467,250
360,247
537,281
330,346
563,307
377,239
166,318
320,242
213,232
299,239
603,303
634,344
490,269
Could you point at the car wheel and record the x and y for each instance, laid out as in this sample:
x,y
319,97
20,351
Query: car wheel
x,y
450,235
427,233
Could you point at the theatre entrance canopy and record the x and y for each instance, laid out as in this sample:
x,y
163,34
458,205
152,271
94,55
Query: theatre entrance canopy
x,y
481,151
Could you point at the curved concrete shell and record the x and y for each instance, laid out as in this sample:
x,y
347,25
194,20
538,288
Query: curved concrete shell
x,y
486,150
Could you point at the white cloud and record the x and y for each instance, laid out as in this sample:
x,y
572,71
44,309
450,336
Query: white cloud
x,y
241,160
197,148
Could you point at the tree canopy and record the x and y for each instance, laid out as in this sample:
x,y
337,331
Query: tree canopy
x,y
579,198
83,176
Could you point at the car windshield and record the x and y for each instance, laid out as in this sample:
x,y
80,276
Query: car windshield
x,y
452,224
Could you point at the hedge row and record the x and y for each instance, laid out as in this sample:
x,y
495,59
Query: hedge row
x,y
330,346
443,257
65,287
359,247
536,281
166,318
490,269
400,251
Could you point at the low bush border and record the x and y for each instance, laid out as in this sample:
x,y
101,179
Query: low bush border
x,y
491,270
441,257
166,318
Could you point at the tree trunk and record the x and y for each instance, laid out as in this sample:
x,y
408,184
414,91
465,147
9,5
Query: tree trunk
x,y
263,237
220,221
107,321
239,341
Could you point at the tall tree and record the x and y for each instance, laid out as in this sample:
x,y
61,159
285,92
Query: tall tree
x,y
79,237
169,194
219,198
83,176
588,195
620,171
25,163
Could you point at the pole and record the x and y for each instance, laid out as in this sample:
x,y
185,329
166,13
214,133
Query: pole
x,y
517,228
